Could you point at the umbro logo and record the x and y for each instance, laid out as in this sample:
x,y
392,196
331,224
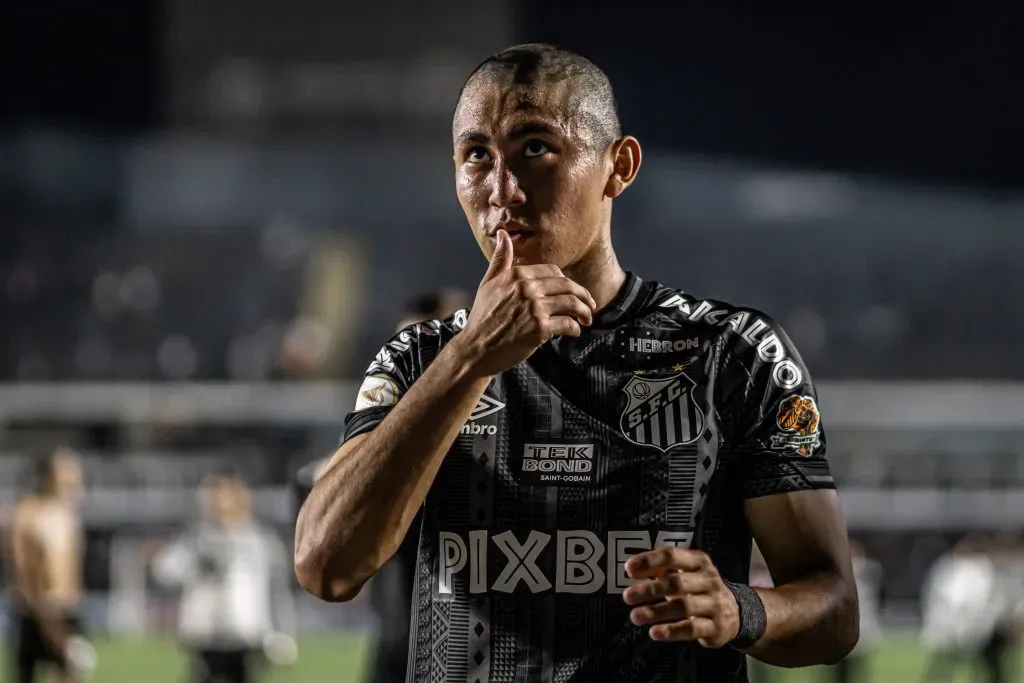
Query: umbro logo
x,y
486,406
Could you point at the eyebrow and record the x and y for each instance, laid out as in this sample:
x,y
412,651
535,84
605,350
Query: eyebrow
x,y
519,131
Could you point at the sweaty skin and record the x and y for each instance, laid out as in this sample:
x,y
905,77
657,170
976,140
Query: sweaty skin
x,y
46,548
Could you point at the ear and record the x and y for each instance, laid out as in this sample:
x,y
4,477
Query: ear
x,y
625,165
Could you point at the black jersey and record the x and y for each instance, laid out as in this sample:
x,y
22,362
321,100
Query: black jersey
x,y
650,429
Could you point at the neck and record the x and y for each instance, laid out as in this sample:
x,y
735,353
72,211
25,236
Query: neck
x,y
599,271
51,497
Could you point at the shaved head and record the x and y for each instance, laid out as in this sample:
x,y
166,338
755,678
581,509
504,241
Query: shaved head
x,y
587,99
538,149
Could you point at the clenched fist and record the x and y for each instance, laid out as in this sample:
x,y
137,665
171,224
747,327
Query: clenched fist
x,y
519,308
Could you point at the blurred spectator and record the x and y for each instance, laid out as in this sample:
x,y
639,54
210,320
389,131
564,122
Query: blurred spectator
x,y
961,606
998,657
46,552
235,576
436,305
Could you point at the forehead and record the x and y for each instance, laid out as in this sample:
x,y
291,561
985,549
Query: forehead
x,y
494,107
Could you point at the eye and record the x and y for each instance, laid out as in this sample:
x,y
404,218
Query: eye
x,y
535,148
478,155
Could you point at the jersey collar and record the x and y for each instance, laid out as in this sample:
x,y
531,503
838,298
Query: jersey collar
x,y
630,299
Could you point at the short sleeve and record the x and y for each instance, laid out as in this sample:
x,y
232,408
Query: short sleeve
x,y
397,365
774,438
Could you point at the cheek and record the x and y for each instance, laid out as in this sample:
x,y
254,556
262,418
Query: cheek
x,y
470,193
575,198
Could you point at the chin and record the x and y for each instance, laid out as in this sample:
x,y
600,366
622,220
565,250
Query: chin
x,y
531,252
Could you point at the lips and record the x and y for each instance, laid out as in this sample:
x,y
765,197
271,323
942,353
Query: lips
x,y
519,236
517,231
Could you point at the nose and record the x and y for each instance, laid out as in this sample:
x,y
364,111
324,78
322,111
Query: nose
x,y
505,189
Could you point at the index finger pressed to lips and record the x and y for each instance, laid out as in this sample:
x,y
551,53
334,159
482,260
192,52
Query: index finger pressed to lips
x,y
658,561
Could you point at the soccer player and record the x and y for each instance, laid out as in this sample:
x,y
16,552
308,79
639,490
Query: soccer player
x,y
961,600
236,603
47,551
592,451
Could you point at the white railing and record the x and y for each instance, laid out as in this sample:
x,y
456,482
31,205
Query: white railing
x,y
845,405
876,419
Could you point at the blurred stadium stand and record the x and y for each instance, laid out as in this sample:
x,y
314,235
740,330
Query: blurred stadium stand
x,y
208,228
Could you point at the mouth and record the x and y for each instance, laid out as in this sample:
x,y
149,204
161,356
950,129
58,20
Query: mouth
x,y
517,231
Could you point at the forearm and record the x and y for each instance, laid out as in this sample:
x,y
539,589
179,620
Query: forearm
x,y
813,620
362,505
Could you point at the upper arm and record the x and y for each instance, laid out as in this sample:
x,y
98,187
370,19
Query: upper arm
x,y
776,449
394,369
800,532
398,364
26,550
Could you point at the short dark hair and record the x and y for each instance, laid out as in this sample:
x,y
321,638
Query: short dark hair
x,y
539,63
41,471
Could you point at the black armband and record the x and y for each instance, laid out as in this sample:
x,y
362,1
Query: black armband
x,y
753,620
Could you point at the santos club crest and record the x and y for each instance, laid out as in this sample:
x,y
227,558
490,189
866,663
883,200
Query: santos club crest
x,y
661,412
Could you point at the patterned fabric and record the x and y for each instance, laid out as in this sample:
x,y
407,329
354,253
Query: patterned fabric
x,y
650,429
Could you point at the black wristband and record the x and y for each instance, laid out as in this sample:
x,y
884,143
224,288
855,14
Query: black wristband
x,y
753,620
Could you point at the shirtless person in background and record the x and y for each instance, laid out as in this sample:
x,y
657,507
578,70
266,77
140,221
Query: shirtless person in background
x,y
47,549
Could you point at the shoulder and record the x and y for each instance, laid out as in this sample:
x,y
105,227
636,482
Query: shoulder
x,y
745,338
733,324
408,342
25,510
404,357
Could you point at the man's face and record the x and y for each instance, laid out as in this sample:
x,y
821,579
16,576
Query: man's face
x,y
524,162
67,476
227,499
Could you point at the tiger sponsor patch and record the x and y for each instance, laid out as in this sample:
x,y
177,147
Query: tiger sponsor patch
x,y
799,426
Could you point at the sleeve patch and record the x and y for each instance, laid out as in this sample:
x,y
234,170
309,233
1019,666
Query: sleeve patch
x,y
377,391
798,423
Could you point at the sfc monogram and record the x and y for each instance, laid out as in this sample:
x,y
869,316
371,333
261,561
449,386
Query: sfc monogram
x,y
661,412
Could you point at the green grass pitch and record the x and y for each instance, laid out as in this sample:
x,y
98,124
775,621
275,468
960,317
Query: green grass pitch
x,y
342,659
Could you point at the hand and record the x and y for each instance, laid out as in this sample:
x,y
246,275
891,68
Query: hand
x,y
54,633
519,308
682,597
81,655
280,649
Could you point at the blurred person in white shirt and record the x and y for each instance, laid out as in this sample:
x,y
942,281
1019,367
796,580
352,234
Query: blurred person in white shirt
x,y
236,607
998,656
962,601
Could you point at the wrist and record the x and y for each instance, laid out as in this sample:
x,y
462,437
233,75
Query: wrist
x,y
752,617
464,360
